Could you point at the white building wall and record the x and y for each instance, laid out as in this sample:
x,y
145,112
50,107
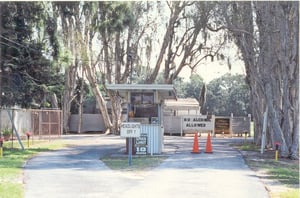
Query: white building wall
x,y
172,124
21,120
90,122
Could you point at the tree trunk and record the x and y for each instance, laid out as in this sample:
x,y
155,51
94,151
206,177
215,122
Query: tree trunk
x,y
275,129
53,100
116,111
167,37
258,108
277,31
272,66
70,78
80,108
117,58
99,98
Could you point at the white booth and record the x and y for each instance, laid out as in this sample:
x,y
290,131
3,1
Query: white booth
x,y
145,107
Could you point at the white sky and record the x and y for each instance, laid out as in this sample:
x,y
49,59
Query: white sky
x,y
209,70
212,70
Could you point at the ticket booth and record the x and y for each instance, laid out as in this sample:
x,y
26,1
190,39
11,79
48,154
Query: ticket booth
x,y
144,105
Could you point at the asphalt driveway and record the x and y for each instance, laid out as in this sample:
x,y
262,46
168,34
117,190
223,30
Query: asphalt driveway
x,y
77,172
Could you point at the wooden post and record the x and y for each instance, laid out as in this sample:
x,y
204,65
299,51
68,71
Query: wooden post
x,y
263,139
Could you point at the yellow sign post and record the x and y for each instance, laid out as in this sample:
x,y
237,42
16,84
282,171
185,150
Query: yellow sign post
x,y
28,134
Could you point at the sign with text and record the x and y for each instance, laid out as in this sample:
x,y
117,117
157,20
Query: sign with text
x,y
222,125
141,145
130,129
198,122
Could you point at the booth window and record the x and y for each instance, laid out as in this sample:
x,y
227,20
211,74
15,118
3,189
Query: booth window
x,y
142,98
148,98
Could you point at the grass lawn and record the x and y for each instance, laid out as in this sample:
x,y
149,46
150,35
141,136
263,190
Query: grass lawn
x,y
289,194
11,184
284,170
139,163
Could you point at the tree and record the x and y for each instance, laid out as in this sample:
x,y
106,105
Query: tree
x,y
223,96
186,40
69,15
228,94
119,38
26,70
193,87
267,36
83,25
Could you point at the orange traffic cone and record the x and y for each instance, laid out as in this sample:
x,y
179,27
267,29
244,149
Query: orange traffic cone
x,y
196,145
208,145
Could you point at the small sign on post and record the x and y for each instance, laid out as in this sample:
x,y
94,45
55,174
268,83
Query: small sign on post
x,y
130,130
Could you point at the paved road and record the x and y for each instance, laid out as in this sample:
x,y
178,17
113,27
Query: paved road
x,y
77,172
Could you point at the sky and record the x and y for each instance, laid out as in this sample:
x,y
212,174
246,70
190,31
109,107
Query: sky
x,y
211,70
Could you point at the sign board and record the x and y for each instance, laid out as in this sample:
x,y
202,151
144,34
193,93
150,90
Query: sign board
x,y
198,122
130,129
141,145
240,125
222,125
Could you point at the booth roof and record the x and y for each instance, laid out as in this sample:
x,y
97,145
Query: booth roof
x,y
182,104
166,91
